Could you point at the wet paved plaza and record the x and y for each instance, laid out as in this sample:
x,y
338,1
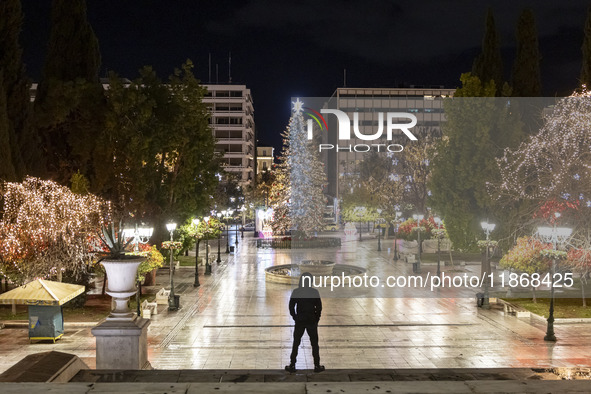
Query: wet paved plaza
x,y
236,320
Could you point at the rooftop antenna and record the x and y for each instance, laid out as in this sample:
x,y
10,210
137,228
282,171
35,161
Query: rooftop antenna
x,y
344,77
230,67
209,67
217,79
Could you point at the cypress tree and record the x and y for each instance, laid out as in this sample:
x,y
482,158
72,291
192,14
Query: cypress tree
x,y
16,86
526,78
70,98
7,172
586,49
73,49
488,66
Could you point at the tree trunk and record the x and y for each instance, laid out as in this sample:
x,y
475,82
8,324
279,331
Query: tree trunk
x,y
583,283
535,301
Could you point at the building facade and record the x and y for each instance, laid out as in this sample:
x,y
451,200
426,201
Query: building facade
x,y
342,163
265,158
232,122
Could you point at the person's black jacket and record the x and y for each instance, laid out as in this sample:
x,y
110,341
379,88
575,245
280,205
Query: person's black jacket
x,y
305,305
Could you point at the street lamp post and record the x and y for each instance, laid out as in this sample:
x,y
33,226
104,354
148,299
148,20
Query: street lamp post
x,y
196,224
227,213
553,234
418,218
172,303
438,221
360,215
398,214
140,236
243,211
485,270
379,211
207,265
219,260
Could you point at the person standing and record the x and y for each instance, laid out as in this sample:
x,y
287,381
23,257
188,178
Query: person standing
x,y
305,307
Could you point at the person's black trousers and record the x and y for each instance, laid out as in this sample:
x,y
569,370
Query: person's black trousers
x,y
298,332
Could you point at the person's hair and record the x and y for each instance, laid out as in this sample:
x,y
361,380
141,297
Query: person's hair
x,y
306,277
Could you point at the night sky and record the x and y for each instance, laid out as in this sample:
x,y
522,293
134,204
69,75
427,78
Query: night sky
x,y
282,49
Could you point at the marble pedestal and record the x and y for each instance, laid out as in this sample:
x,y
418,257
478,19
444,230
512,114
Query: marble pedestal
x,y
122,344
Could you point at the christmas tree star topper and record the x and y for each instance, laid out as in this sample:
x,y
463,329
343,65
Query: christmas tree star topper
x,y
298,105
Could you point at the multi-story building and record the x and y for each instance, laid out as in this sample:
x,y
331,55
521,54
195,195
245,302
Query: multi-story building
x,y
426,103
265,158
232,121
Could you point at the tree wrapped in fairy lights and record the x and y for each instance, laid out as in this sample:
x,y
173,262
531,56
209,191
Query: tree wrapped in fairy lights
x,y
46,229
555,163
297,194
550,174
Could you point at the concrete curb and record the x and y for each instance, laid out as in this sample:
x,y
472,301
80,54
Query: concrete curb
x,y
25,324
542,318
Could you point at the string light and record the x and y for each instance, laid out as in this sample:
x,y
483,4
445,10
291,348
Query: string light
x,y
45,228
555,162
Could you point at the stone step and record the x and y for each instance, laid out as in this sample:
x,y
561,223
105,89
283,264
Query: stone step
x,y
308,375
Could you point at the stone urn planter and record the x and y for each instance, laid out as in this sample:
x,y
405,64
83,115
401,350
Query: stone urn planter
x,y
121,276
316,267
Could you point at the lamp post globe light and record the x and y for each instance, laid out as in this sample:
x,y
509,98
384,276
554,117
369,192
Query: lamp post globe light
x,y
219,259
360,212
173,303
417,266
196,224
379,211
553,234
140,236
398,214
227,213
485,269
438,222
207,265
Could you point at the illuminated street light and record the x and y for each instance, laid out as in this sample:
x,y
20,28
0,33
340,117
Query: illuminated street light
x,y
485,268
553,234
416,267
196,224
173,303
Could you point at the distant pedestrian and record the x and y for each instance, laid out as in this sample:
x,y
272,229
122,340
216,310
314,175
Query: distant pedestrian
x,y
305,308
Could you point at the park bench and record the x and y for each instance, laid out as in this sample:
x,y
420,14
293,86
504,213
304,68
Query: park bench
x,y
162,297
510,309
148,309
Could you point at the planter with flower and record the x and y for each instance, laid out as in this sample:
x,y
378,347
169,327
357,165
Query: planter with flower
x,y
528,256
147,269
120,269
169,247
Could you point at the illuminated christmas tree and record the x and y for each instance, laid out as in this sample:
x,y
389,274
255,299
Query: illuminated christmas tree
x,y
297,197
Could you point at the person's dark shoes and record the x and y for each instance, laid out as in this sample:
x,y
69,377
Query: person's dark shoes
x,y
291,368
319,368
